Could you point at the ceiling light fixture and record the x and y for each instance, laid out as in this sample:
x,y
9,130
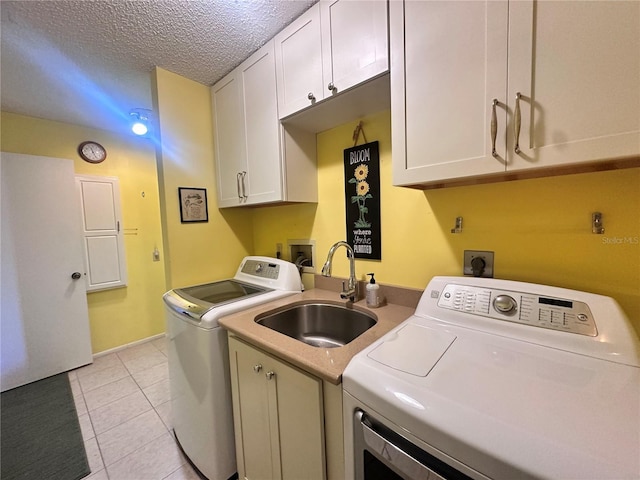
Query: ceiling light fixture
x,y
140,121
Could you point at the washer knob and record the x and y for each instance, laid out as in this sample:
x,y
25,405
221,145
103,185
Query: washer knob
x,y
505,304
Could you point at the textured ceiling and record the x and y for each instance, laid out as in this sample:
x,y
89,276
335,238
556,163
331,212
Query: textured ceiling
x,y
89,62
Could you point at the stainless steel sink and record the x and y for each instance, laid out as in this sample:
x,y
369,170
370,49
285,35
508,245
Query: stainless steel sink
x,y
318,324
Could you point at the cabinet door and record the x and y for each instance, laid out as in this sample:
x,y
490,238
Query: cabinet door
x,y
251,412
299,63
300,423
577,67
448,64
263,181
278,417
354,41
229,138
102,232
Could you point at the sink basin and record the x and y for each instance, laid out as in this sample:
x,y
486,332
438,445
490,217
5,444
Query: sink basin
x,y
318,324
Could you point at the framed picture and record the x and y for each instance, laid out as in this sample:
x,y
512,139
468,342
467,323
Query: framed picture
x,y
193,205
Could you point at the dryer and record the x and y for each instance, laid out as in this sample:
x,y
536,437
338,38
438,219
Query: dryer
x,y
497,379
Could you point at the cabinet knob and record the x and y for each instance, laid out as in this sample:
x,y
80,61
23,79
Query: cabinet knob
x,y
331,87
311,97
257,368
270,375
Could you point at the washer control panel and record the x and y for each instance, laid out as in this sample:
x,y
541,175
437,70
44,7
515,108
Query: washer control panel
x,y
520,307
261,269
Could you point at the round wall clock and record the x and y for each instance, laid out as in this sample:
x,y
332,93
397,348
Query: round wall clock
x,y
92,152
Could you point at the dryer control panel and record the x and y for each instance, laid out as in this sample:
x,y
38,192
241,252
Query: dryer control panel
x,y
562,314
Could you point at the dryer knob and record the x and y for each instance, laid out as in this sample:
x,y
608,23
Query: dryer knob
x,y
505,304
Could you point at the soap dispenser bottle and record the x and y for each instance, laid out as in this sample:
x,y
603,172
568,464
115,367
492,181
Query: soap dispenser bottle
x,y
373,300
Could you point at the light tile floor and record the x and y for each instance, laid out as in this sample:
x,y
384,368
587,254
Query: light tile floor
x,y
125,416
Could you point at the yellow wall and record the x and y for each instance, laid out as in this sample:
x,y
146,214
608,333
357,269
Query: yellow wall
x,y
197,252
122,315
539,229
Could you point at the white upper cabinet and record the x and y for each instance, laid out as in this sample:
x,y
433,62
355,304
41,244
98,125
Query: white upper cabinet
x,y
229,138
354,42
458,67
263,181
299,63
247,135
250,143
448,63
576,66
333,46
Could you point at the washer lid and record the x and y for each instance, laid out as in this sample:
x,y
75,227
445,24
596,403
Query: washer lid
x,y
197,300
220,292
413,349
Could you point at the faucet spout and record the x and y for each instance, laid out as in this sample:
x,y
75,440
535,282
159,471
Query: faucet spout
x,y
352,288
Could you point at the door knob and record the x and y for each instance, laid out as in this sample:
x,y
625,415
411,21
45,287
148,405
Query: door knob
x,y
76,275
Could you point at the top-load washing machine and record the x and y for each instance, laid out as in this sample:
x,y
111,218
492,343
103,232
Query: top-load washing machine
x,y
199,359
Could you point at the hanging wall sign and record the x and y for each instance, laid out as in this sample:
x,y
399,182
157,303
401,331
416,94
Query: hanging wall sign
x,y
362,199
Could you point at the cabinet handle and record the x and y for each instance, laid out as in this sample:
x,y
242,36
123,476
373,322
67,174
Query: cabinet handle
x,y
238,175
244,193
257,368
311,97
331,87
494,128
517,122
270,374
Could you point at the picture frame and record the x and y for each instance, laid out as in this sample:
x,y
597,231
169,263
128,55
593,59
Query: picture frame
x,y
193,205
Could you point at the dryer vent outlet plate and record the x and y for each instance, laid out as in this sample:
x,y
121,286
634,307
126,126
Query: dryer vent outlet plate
x,y
478,263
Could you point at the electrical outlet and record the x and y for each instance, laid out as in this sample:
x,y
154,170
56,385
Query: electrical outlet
x,y
481,261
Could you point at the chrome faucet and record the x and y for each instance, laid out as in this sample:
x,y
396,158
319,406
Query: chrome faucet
x,y
352,288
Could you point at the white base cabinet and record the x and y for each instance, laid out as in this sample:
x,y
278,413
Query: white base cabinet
x,y
278,417
258,161
489,88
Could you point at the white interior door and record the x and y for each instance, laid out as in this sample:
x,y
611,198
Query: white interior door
x,y
44,317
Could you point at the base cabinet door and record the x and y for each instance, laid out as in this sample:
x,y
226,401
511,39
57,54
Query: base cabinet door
x,y
278,417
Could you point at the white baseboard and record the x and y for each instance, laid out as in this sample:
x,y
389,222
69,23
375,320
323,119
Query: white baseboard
x,y
128,345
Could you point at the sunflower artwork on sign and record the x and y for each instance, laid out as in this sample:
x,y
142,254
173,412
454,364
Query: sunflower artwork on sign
x,y
362,200
362,194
